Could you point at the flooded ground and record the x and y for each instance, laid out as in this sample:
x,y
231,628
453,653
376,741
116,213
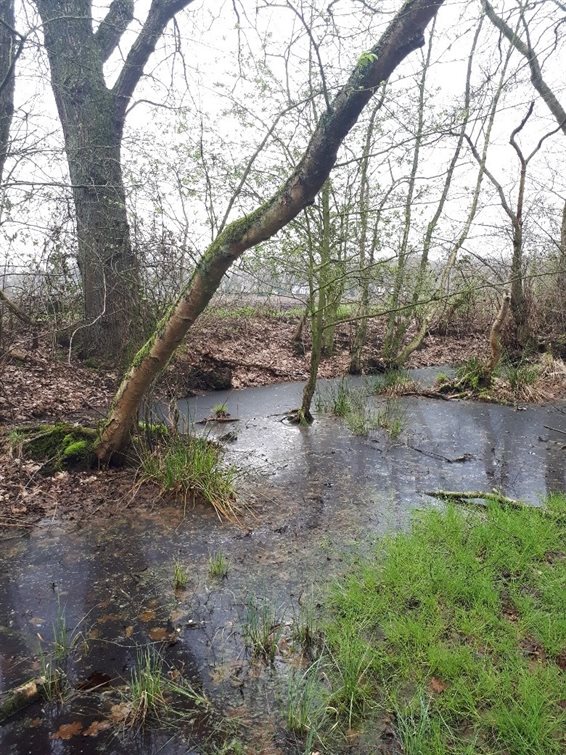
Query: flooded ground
x,y
315,496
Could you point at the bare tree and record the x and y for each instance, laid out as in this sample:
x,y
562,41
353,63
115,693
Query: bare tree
x,y
515,214
93,115
404,34
522,43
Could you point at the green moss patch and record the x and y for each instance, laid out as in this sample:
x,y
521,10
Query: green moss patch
x,y
58,446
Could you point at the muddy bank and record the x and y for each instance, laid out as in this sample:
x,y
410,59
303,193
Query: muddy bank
x,y
315,496
259,349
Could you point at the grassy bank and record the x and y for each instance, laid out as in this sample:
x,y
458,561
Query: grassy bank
x,y
455,636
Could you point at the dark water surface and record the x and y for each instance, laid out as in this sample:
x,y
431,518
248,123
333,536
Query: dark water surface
x,y
315,496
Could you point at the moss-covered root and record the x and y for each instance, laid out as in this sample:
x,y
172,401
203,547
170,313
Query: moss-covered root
x,y
56,447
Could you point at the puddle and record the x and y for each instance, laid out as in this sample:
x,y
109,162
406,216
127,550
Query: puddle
x,y
315,495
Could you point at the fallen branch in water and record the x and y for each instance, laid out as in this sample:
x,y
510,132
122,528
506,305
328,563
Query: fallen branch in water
x,y
554,429
468,497
206,420
494,495
21,697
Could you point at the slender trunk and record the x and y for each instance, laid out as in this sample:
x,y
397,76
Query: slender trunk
x,y
319,317
7,77
297,338
495,334
360,327
397,326
404,34
405,352
316,354
519,307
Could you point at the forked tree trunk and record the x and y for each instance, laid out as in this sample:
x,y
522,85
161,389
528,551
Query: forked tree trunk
x,y
404,34
525,48
92,117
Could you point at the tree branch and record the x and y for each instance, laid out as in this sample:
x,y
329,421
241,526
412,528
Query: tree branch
x,y
111,29
528,53
159,15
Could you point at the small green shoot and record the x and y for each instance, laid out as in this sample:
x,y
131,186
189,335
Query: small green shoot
x,y
218,565
180,576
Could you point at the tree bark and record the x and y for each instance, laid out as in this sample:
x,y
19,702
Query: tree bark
x,y
404,34
7,76
92,117
319,316
495,334
561,278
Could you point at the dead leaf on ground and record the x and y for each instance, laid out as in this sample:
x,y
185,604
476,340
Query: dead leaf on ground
x,y
147,615
96,727
120,712
160,634
66,731
436,685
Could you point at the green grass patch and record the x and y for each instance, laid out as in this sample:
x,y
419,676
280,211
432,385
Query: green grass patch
x,y
190,467
157,695
218,565
262,629
458,631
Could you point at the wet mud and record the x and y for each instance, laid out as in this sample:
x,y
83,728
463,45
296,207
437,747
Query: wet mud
x,y
314,497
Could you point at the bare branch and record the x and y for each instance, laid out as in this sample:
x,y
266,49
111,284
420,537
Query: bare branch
x,y
111,29
528,53
159,15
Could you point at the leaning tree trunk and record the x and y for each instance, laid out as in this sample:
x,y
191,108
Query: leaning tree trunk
x,y
7,78
404,34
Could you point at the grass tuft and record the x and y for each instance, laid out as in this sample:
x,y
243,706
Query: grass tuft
x,y
190,467
342,400
262,629
218,565
157,695
180,576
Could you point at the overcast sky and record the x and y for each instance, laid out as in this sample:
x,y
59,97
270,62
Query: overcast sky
x,y
214,60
